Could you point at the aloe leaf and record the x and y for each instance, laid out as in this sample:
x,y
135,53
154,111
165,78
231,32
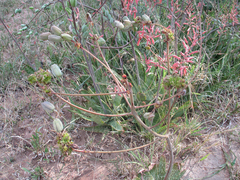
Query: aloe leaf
x,y
98,129
115,125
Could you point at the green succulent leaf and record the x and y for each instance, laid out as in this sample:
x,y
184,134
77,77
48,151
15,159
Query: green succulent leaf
x,y
115,125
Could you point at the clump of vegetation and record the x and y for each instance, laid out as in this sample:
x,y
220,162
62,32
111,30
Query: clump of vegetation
x,y
139,66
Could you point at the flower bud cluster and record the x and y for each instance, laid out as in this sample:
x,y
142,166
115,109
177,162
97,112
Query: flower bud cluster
x,y
49,108
63,138
57,36
127,24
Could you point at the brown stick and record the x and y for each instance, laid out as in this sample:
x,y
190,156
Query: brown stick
x,y
119,151
92,112
98,94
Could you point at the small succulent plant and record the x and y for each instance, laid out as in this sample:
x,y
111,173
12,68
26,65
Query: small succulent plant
x,y
65,143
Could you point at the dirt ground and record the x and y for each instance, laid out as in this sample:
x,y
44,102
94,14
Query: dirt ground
x,y
17,151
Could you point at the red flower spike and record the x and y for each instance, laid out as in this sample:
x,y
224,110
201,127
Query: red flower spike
x,y
134,11
156,64
183,70
148,34
175,66
194,52
176,57
178,25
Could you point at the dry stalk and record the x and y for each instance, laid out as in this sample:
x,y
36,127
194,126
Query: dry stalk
x,y
110,152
